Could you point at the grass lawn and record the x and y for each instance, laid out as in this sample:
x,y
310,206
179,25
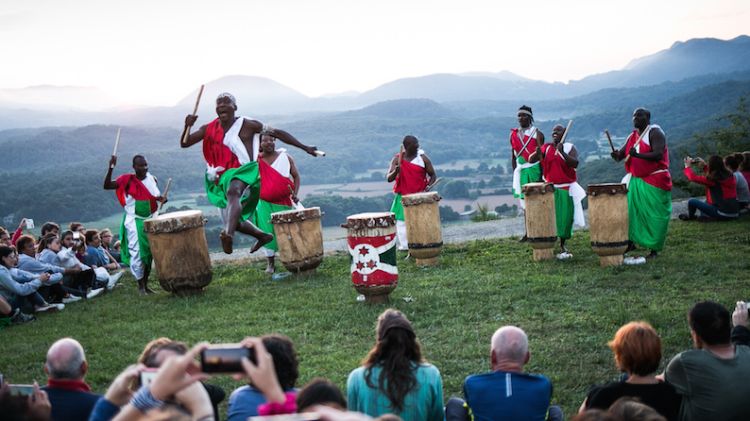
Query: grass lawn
x,y
569,309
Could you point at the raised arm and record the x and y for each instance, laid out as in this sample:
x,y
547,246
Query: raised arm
x,y
282,135
109,184
194,137
393,169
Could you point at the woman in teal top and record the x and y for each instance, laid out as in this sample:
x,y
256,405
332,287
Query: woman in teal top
x,y
394,378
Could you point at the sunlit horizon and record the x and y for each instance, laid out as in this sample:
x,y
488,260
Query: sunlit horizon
x,y
155,53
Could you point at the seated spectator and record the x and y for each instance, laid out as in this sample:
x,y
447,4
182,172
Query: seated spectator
x,y
19,288
77,227
244,401
394,377
66,257
628,409
320,391
5,238
18,233
743,192
158,350
50,228
66,368
54,292
77,279
637,352
721,190
106,237
97,259
506,392
745,166
713,377
11,316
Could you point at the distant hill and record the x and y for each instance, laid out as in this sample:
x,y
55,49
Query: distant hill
x,y
403,108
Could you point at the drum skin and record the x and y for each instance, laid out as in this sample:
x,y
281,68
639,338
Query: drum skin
x,y
300,238
425,237
372,245
540,219
178,245
608,221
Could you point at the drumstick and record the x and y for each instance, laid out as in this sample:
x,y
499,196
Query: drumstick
x,y
609,138
117,142
437,180
319,152
166,192
297,205
195,111
638,142
565,134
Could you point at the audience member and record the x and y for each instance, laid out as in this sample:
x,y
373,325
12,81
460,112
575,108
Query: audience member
x,y
66,368
506,392
320,391
637,352
50,228
96,258
629,409
244,401
743,192
713,377
54,291
5,238
24,408
721,190
77,279
394,377
745,166
77,227
107,247
19,287
594,415
158,350
18,232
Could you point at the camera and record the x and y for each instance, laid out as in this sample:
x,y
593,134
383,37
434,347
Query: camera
x,y
147,376
225,359
21,389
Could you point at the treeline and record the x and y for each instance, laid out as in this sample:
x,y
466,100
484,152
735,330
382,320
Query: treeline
x,y
336,208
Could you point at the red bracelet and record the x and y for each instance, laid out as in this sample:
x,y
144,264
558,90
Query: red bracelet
x,y
275,408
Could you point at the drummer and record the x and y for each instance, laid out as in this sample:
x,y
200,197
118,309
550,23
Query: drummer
x,y
559,161
138,193
523,142
413,173
278,191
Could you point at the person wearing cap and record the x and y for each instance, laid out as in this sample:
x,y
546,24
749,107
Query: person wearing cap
x,y
649,183
231,147
559,162
395,378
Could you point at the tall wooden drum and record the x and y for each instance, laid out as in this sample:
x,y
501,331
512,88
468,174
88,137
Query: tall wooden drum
x,y
608,219
178,245
300,238
372,246
540,219
423,231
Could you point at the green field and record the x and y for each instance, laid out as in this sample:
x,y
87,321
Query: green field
x,y
569,309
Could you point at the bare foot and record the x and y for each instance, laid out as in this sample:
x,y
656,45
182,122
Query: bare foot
x,y
226,242
262,241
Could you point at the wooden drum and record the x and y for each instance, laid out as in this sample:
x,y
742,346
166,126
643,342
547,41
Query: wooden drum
x,y
608,219
178,245
540,219
423,231
300,238
372,246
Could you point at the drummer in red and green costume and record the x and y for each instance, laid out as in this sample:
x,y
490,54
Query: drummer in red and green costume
x,y
559,161
649,183
230,148
138,193
523,142
413,173
278,191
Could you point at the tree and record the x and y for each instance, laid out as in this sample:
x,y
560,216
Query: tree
x,y
455,189
732,137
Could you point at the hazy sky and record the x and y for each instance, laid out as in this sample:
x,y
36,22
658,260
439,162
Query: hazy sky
x,y
156,51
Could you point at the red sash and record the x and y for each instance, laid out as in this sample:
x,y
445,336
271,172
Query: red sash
x,y
274,188
410,179
129,184
652,172
554,168
518,145
216,153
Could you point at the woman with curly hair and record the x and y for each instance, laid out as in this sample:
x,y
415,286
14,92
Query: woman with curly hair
x,y
394,377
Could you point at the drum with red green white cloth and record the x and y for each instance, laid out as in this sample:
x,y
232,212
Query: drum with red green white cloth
x,y
371,238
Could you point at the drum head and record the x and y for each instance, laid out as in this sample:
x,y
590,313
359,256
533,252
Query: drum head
x,y
606,188
538,188
420,198
295,215
371,220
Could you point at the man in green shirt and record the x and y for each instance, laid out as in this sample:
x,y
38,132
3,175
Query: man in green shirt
x,y
713,378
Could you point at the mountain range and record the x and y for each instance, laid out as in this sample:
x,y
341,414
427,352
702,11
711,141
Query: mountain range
x,y
685,65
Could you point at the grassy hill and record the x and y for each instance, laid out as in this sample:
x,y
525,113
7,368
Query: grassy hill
x,y
569,309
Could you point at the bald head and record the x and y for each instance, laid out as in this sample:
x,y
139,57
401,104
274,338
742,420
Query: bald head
x,y
66,360
510,347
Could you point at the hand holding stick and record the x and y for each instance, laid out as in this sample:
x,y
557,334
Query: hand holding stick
x,y
195,111
609,138
166,192
565,135
431,186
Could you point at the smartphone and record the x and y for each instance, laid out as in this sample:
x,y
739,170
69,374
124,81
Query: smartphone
x,y
76,235
21,389
29,224
225,359
302,416
148,375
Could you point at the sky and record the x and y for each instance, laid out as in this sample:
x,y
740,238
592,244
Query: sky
x,y
154,52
